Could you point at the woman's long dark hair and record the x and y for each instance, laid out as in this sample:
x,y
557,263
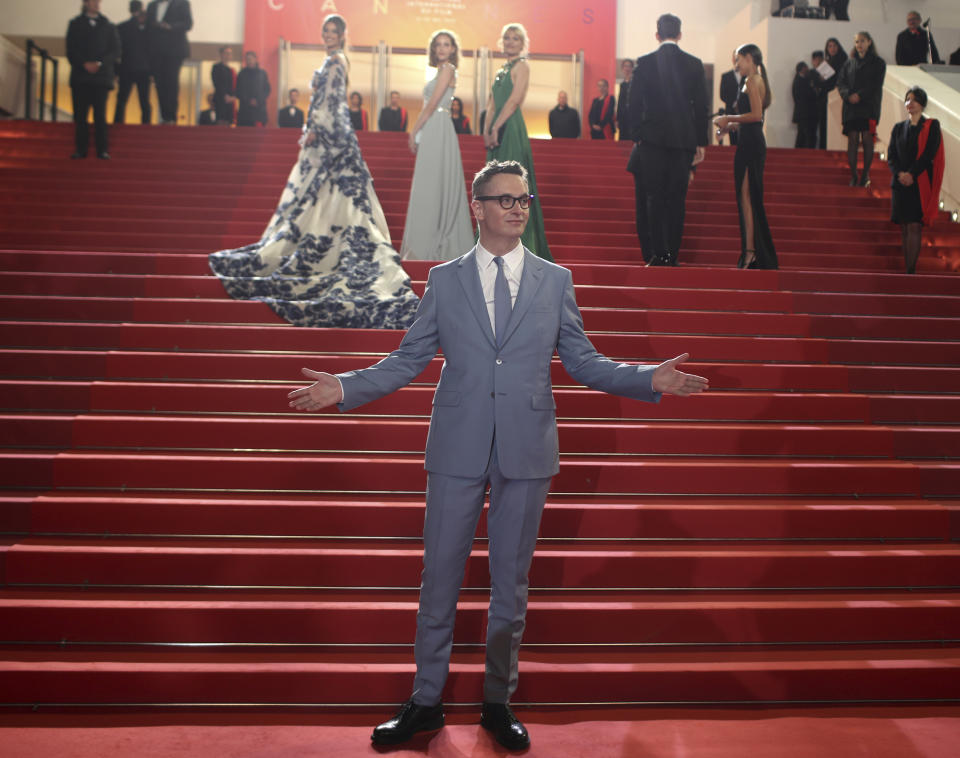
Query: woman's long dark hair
x,y
754,52
841,53
340,23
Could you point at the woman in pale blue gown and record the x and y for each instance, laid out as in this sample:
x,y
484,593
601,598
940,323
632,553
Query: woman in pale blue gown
x,y
438,220
325,258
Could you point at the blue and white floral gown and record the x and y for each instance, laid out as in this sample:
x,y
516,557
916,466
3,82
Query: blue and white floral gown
x,y
325,258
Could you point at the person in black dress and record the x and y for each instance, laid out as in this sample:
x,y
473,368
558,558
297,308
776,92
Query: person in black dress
x,y
461,122
915,156
358,116
756,244
836,56
224,87
253,89
860,84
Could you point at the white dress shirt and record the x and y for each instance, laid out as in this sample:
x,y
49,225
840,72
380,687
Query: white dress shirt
x,y
512,269
162,9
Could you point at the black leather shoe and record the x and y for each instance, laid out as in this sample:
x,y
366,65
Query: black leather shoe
x,y
498,718
656,261
104,156
78,156
410,719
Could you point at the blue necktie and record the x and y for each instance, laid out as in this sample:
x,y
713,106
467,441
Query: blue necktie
x,y
502,305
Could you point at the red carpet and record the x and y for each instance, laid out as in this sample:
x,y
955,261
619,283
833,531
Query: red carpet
x,y
170,535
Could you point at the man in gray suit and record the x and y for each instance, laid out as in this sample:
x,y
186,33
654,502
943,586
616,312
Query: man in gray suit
x,y
498,313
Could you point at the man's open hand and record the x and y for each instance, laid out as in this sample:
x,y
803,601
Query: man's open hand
x,y
667,379
324,391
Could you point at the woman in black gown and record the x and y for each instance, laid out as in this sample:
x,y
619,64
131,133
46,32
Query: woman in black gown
x,y
916,163
756,244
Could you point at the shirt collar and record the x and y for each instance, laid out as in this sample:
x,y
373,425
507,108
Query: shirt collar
x,y
512,259
668,42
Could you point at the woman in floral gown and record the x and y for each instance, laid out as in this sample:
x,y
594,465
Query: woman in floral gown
x,y
325,259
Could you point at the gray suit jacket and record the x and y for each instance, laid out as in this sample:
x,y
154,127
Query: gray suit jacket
x,y
481,388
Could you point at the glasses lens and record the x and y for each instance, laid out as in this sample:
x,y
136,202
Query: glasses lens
x,y
507,201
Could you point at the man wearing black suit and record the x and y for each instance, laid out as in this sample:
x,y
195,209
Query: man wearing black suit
x,y
623,101
668,119
168,22
729,92
134,66
290,115
92,47
224,87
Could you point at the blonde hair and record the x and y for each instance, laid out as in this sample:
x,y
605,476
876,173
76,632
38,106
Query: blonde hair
x,y
519,29
454,56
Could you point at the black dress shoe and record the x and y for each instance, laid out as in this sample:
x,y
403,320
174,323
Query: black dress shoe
x,y
104,156
656,261
410,719
498,718
78,156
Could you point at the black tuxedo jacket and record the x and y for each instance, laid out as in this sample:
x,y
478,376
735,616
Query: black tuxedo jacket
x,y
170,43
729,91
668,100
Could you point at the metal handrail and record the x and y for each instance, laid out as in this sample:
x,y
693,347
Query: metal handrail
x,y
45,57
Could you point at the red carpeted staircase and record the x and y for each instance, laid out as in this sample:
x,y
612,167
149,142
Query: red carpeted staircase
x,y
171,534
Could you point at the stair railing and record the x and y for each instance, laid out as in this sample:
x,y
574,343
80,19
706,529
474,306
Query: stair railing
x,y
45,58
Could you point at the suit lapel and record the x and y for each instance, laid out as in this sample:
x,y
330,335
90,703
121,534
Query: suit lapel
x,y
530,282
469,278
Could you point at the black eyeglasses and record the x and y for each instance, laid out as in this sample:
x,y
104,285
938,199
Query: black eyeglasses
x,y
507,201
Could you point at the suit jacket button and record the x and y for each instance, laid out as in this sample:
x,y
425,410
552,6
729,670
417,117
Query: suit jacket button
x,y
499,361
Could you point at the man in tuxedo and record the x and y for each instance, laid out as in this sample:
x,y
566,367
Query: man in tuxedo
x,y
224,87
208,117
93,46
602,112
253,89
393,117
729,92
668,118
564,120
498,314
623,99
290,115
168,22
914,44
134,66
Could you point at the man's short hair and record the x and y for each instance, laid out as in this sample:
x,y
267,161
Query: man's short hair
x,y
394,92
225,47
136,6
492,169
817,54
604,82
292,90
668,26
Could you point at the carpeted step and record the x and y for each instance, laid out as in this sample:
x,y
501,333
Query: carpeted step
x,y
605,473
216,398
378,435
372,564
628,619
204,677
570,518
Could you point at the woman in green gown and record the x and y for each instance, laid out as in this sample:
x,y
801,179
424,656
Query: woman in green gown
x,y
505,136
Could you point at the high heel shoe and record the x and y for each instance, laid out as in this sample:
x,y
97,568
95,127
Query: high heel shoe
x,y
748,259
865,180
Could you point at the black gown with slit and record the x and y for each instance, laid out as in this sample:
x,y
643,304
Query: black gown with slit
x,y
749,161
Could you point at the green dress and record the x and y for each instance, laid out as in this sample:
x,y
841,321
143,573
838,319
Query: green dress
x,y
515,146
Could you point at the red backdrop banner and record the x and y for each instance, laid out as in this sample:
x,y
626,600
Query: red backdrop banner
x,y
555,26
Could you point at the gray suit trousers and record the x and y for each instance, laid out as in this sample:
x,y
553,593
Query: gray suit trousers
x,y
454,505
